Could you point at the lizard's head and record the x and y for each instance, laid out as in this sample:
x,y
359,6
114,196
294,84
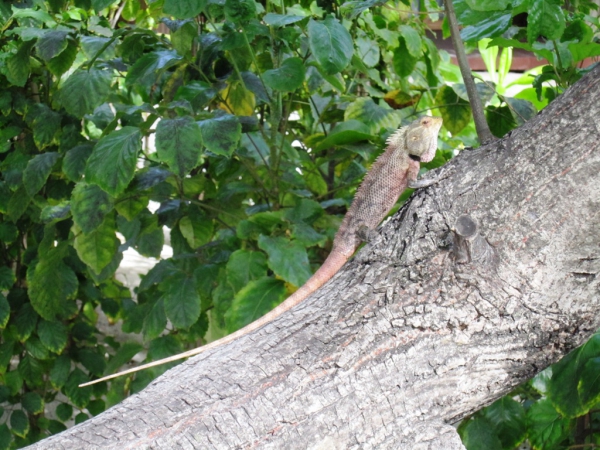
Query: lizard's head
x,y
421,138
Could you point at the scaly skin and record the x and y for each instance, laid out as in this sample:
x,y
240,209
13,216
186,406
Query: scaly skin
x,y
393,171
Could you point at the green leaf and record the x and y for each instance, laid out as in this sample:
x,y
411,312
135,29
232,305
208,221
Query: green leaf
x,y
578,31
353,8
286,78
455,111
567,374
583,51
280,20
25,322
155,322
60,371
198,93
18,203
51,283
376,117
19,423
288,259
18,65
63,62
307,235
522,110
484,90
147,68
4,390
32,402
74,161
8,235
184,10
78,396
96,407
197,228
305,210
130,205
546,426
589,386
183,38
37,171
368,51
5,437
181,299
244,266
36,14
488,5
315,182
163,347
98,247
151,238
492,25
31,370
509,422
546,18
99,5
238,100
256,299
36,349
92,361
52,43
345,133
331,44
13,381
530,95
412,40
112,162
7,278
221,134
55,213
45,124
64,411
404,63
89,206
4,311
500,120
479,434
85,90
179,144
239,11
123,356
82,417
53,335
92,45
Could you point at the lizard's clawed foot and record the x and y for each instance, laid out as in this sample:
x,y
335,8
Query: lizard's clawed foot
x,y
365,234
419,184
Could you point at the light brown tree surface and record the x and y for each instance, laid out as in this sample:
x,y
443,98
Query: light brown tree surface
x,y
405,339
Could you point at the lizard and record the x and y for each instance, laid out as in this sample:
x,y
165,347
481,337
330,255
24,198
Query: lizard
x,y
392,172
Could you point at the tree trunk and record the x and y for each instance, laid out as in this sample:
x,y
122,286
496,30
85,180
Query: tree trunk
x,y
477,284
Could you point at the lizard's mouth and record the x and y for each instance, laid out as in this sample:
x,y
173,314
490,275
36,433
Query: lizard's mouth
x,y
415,158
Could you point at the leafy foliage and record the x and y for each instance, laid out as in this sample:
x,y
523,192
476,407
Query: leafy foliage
x,y
564,37
264,118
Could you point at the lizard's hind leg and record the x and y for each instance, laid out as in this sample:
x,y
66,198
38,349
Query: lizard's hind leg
x,y
366,234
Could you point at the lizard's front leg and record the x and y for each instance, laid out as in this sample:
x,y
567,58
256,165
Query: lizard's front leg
x,y
413,173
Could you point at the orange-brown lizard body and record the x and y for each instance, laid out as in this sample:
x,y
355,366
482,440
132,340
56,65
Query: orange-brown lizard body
x,y
394,170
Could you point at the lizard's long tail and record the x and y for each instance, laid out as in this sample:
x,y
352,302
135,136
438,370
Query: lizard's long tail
x,y
332,264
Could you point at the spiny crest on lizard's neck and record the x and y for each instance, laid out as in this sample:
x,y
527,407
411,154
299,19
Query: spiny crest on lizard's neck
x,y
396,139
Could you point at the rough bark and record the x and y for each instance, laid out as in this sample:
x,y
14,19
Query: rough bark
x,y
407,337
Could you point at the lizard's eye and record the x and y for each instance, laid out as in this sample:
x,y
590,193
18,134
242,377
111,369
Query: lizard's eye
x,y
425,121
